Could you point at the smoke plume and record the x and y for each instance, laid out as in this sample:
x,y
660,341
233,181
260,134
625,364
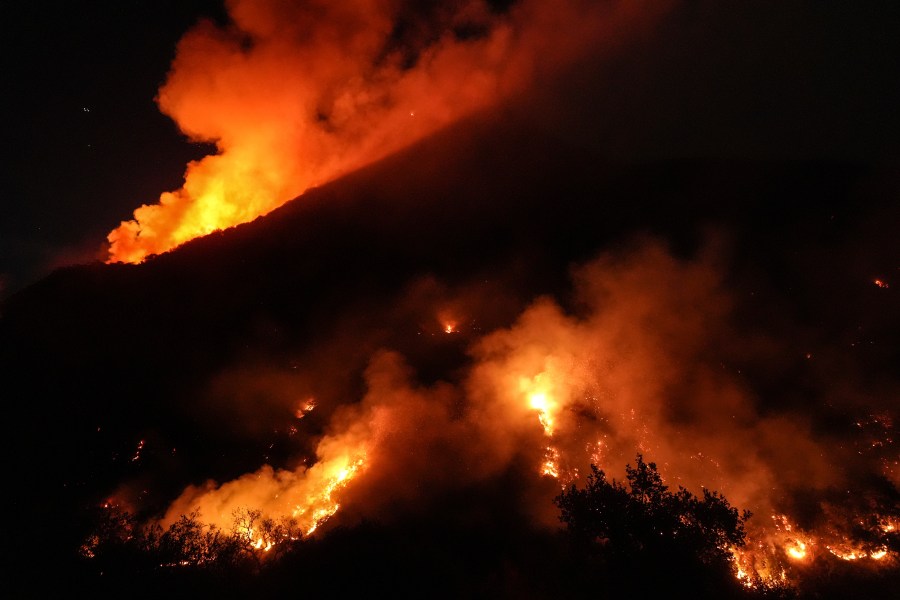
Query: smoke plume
x,y
645,358
293,94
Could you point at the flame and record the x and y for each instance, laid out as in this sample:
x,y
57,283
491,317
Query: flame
x,y
759,562
293,97
449,318
797,550
551,462
850,552
313,96
264,545
540,400
305,408
137,452
307,495
291,110
599,384
881,283
322,504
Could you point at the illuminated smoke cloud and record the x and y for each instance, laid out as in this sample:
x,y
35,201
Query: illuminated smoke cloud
x,y
297,94
639,364
294,94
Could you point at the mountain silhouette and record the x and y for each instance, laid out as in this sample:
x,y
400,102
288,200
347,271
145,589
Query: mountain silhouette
x,y
98,356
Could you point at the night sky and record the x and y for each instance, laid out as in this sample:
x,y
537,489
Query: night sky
x,y
84,140
85,143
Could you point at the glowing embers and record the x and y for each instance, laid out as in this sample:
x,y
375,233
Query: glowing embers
x,y
796,546
778,555
850,553
305,407
756,566
771,553
321,506
259,545
449,320
796,550
551,462
537,391
881,283
540,400
137,452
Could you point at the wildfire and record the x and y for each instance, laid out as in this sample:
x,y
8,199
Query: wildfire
x,y
261,543
850,553
327,91
768,557
585,380
322,505
290,110
796,550
881,283
551,462
540,400
305,408
307,495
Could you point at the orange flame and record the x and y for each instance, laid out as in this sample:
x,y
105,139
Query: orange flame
x,y
307,495
797,550
585,380
311,96
294,96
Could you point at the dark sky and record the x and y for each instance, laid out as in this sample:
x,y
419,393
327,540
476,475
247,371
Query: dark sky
x,y
83,137
85,144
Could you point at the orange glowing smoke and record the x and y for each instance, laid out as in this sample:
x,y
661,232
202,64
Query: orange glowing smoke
x,y
296,94
638,368
308,495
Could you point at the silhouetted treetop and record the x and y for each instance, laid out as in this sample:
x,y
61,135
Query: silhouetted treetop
x,y
646,518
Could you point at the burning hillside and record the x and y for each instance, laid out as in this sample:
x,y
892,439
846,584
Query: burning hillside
x,y
648,359
418,359
295,94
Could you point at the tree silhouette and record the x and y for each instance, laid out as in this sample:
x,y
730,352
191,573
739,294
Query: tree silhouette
x,y
645,537
120,544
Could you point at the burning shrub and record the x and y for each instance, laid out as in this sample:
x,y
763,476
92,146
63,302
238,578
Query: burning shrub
x,y
120,545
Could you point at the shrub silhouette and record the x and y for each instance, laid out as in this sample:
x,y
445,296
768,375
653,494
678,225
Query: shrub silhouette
x,y
645,538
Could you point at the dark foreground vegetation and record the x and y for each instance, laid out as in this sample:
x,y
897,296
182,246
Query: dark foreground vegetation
x,y
639,539
636,539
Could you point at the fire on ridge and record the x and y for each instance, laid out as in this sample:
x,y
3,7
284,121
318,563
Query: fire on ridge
x,y
566,391
294,96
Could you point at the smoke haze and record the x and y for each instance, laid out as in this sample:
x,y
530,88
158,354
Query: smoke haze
x,y
446,258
